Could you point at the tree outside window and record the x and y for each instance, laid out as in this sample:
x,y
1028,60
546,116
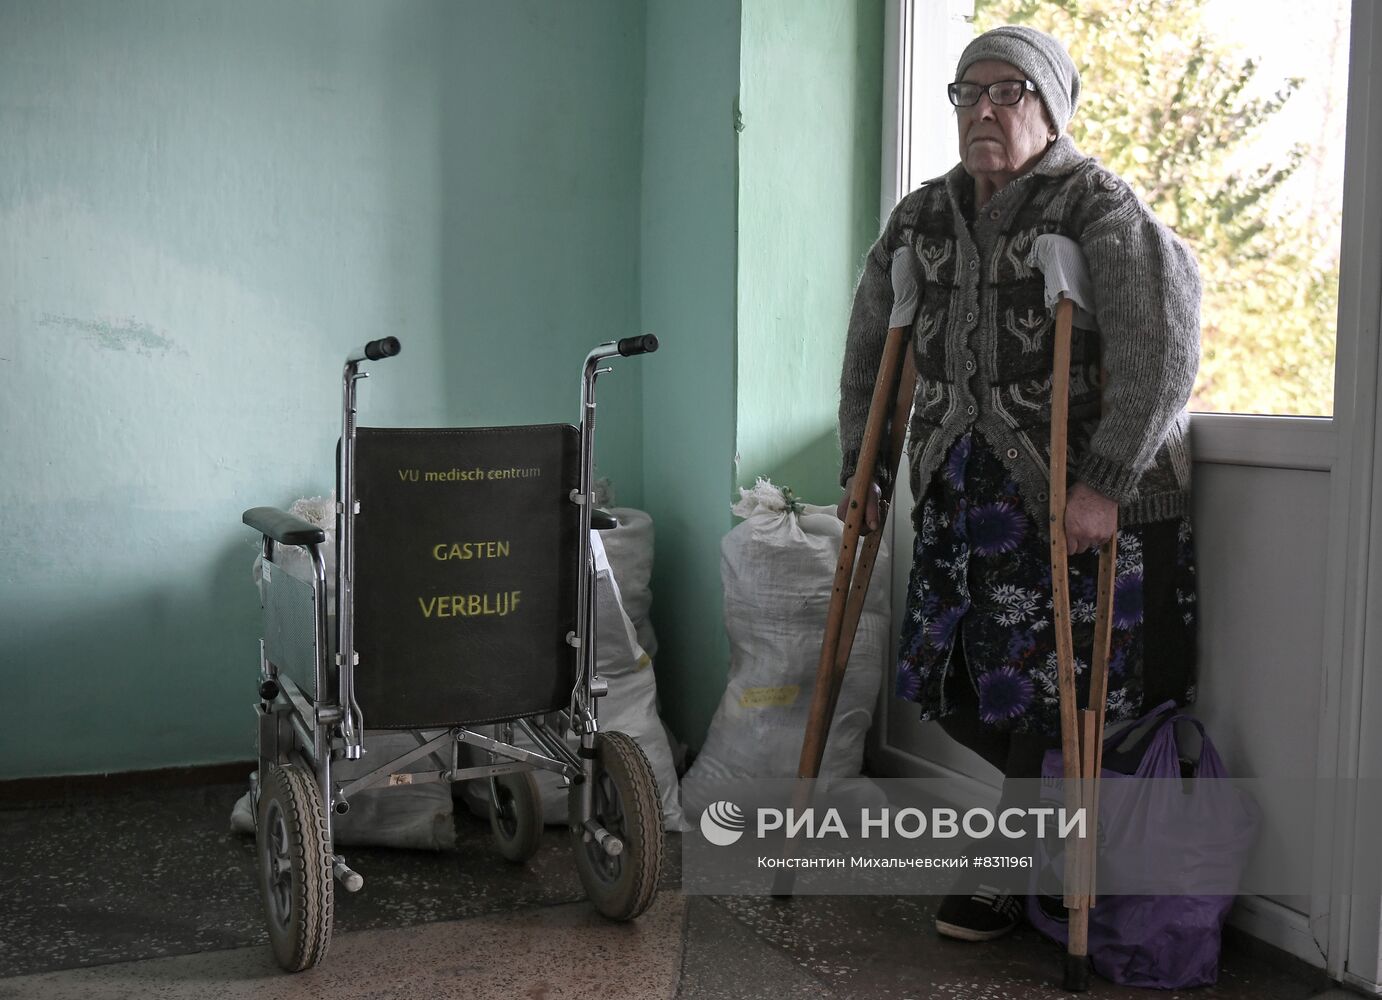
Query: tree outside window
x,y
1245,165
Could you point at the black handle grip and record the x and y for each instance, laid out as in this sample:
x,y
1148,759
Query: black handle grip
x,y
384,347
645,344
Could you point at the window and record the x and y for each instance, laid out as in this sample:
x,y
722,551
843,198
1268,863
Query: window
x,y
1231,128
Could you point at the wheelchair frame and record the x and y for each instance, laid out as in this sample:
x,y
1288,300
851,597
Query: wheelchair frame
x,y
296,729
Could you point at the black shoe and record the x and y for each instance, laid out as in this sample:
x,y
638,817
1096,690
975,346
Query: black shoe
x,y
982,916
1053,908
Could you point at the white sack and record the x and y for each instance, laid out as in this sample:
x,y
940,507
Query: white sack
x,y
630,707
416,817
629,548
409,816
778,569
319,512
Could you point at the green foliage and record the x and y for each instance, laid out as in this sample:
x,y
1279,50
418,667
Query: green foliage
x,y
1169,107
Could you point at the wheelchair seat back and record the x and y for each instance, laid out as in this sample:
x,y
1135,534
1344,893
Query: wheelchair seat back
x,y
465,586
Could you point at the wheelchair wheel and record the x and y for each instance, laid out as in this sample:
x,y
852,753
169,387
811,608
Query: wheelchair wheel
x,y
294,852
517,822
626,804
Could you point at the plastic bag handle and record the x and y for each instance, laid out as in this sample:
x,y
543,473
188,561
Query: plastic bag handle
x,y
1206,744
1127,761
1209,764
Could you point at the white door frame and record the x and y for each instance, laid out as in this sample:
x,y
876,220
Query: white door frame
x,y
1347,909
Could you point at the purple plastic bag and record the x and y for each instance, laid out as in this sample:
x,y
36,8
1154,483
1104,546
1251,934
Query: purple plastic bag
x,y
1158,941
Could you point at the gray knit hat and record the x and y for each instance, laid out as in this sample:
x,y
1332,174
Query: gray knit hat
x,y
1036,54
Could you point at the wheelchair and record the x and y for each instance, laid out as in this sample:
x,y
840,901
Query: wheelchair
x,y
463,600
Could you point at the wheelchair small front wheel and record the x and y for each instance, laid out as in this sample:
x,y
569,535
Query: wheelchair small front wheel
x,y
626,804
294,854
515,815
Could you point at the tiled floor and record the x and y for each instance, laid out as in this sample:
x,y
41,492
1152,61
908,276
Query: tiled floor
x,y
150,895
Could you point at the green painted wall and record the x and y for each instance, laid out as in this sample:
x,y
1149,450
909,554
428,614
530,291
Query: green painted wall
x,y
688,300
811,100
203,206
541,149
751,244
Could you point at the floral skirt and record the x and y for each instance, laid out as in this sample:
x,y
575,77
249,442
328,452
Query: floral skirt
x,y
981,585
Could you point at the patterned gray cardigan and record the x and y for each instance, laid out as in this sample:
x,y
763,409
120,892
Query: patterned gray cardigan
x,y
983,335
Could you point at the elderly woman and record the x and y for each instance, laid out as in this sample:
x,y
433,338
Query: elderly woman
x,y
977,647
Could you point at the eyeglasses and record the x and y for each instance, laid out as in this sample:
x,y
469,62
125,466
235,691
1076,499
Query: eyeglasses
x,y
1004,93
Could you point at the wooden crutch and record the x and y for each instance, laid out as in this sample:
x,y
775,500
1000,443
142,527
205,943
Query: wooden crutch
x,y
1082,730
889,413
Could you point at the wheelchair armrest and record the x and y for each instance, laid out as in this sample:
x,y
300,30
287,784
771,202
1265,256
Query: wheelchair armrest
x,y
602,520
282,527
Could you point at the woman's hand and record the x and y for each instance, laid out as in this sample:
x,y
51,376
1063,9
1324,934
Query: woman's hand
x,y
1090,518
870,506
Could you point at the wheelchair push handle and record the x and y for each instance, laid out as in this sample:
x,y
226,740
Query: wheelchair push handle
x,y
645,344
376,350
384,347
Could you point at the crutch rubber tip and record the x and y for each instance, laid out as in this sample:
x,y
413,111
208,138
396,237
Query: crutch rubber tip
x,y
1076,974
